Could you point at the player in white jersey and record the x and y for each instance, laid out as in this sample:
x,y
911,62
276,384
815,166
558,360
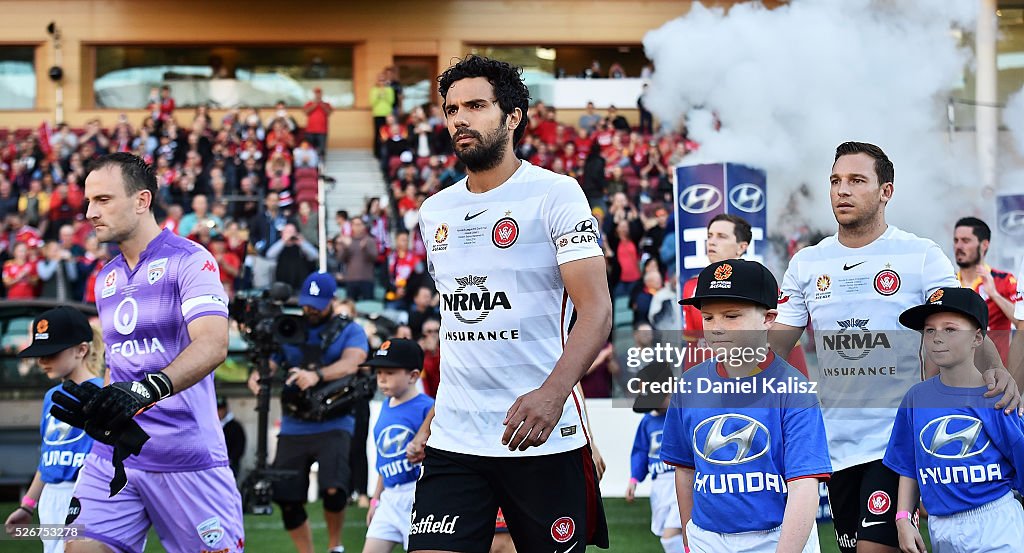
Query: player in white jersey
x,y
852,287
513,250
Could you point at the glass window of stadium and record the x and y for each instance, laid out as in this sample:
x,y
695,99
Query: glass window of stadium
x,y
17,77
542,65
1009,65
222,76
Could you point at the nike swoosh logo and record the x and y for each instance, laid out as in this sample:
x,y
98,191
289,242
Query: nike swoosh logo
x,y
468,217
864,522
845,267
571,547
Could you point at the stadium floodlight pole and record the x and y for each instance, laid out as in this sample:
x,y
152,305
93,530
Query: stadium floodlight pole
x,y
321,211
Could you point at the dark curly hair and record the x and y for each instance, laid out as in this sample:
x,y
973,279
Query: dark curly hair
x,y
507,80
137,175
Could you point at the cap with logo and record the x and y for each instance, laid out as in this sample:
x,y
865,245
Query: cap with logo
x,y
964,301
736,279
317,291
397,353
56,330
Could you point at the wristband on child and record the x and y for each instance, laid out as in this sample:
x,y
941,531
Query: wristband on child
x,y
374,502
633,481
900,515
28,502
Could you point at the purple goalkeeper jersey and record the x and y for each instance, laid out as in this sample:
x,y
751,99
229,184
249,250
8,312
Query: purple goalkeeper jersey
x,y
145,313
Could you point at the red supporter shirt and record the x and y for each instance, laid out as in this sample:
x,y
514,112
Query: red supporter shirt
x,y
316,120
1006,285
629,260
401,268
430,376
23,289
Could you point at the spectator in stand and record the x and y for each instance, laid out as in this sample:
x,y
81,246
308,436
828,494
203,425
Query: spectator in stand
x,y
90,264
294,256
597,382
306,155
640,300
547,128
264,230
64,142
19,275
627,258
382,102
229,265
404,271
453,174
344,225
280,135
308,222
376,219
654,236
395,141
646,118
200,215
616,182
173,220
590,119
20,233
66,203
248,207
430,342
618,122
391,74
317,114
281,114
594,183
253,129
421,132
359,254
58,273
615,71
424,308
279,171
8,197
68,241
594,71
234,434
96,138
34,205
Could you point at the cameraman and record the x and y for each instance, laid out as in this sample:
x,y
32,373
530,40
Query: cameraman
x,y
301,442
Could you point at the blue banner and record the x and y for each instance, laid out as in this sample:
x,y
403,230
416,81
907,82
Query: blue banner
x,y
706,190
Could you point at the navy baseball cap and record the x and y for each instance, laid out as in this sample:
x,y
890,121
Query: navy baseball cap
x,y
964,301
736,279
318,291
56,330
397,353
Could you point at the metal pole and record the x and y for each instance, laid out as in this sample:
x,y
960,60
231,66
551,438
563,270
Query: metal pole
x,y
986,114
322,218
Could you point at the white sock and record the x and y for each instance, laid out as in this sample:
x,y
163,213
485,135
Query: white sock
x,y
673,544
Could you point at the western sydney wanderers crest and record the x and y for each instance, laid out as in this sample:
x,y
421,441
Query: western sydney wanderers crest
x,y
887,282
879,503
505,232
563,529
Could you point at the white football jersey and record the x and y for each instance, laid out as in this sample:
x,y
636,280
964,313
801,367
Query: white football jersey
x,y
867,360
495,258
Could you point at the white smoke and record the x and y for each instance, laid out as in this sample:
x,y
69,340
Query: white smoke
x,y
791,83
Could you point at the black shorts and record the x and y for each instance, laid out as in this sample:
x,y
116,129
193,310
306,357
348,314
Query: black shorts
x,y
863,503
329,449
550,502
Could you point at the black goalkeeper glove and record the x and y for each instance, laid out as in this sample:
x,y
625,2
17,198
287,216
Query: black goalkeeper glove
x,y
115,405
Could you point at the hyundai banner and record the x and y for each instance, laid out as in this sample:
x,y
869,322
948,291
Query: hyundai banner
x,y
1009,232
706,190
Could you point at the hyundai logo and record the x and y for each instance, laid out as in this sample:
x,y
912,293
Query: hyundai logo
x,y
392,440
730,439
747,197
953,437
700,198
1012,223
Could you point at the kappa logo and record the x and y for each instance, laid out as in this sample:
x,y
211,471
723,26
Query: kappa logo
x,y
209,266
155,270
747,197
879,503
731,439
124,320
392,440
700,198
210,531
953,437
563,529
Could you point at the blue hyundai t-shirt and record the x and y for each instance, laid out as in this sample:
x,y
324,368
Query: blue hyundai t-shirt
x,y
64,447
646,456
395,427
744,447
962,451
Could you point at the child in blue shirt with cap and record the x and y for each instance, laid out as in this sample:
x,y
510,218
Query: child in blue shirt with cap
x,y
952,449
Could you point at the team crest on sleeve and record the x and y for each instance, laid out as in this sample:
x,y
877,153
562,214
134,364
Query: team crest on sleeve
x,y
783,298
109,284
156,269
887,282
505,232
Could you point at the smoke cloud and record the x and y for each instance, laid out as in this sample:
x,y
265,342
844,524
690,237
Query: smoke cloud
x,y
790,84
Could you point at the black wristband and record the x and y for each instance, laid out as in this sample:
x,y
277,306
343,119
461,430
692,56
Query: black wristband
x,y
27,510
161,383
320,374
